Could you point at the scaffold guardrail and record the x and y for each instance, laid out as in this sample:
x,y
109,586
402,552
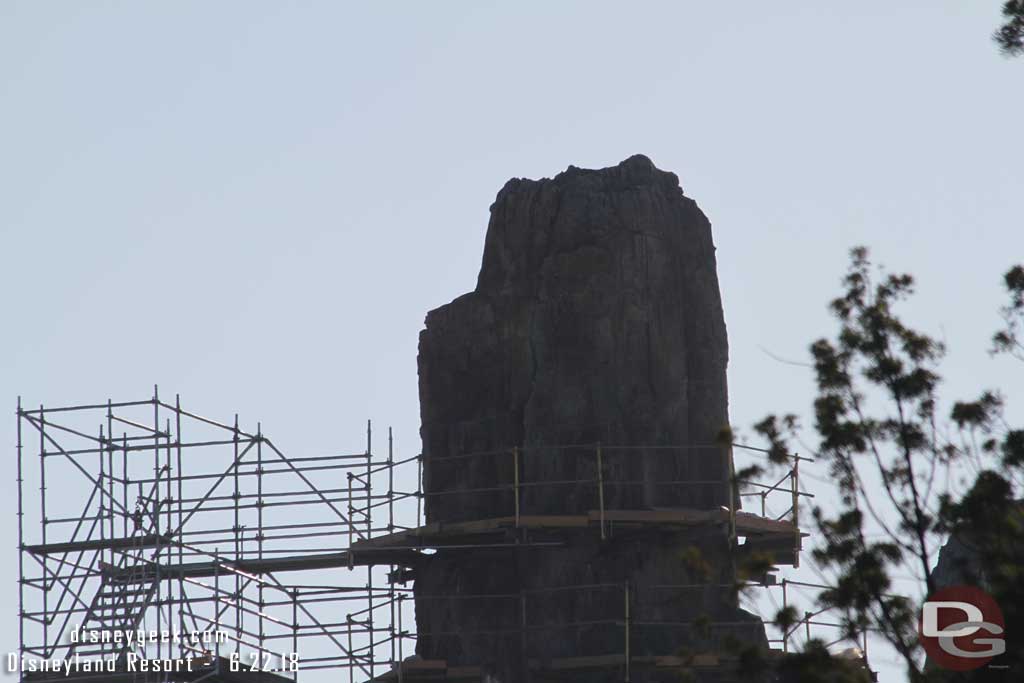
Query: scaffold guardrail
x,y
144,515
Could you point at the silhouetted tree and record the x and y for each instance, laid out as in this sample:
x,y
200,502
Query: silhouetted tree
x,y
1008,340
1010,36
898,457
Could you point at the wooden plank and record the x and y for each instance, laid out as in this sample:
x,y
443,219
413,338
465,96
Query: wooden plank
x,y
698,660
429,669
747,524
147,541
479,526
365,557
555,521
601,661
752,523
578,662
677,516
457,672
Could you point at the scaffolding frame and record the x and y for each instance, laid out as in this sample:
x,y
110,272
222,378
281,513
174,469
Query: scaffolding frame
x,y
190,537
146,547
780,527
598,459
623,616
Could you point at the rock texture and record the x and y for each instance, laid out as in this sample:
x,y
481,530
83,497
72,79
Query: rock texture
x,y
957,564
961,559
596,318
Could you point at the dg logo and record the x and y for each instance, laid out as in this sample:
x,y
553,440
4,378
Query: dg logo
x,y
961,628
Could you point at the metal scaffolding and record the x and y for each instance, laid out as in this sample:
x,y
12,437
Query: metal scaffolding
x,y
248,561
597,493
140,518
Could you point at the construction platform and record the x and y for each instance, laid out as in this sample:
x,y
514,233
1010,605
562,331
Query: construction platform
x,y
660,668
438,670
780,538
184,522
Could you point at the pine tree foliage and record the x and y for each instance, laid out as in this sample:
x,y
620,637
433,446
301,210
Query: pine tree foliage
x,y
1010,36
909,468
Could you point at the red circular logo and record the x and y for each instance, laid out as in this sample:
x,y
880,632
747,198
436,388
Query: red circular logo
x,y
961,628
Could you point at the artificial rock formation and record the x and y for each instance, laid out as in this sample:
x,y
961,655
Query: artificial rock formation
x,y
596,318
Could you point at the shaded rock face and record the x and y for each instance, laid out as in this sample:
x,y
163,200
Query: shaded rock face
x,y
596,318
572,600
958,563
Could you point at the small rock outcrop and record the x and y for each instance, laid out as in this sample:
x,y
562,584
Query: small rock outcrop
x,y
596,318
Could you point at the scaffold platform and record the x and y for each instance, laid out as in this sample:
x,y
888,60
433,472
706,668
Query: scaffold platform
x,y
165,519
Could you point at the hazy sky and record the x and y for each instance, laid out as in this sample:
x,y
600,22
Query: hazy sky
x,y
254,204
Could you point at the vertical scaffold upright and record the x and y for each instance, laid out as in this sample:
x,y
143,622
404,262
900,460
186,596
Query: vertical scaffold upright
x,y
149,533
151,536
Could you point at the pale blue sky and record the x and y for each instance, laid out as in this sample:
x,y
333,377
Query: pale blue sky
x,y
254,204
